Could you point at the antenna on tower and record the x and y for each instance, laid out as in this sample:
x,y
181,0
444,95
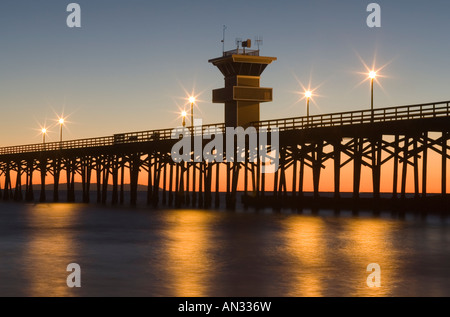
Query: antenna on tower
x,y
238,43
258,41
223,40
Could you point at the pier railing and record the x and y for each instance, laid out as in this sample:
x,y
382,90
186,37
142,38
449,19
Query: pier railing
x,y
422,111
116,139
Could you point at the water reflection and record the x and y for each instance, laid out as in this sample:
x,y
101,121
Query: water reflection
x,y
189,244
305,245
208,253
51,247
329,257
368,241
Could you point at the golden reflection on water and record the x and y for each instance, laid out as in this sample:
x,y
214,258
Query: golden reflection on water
x,y
305,245
50,249
189,243
370,241
331,256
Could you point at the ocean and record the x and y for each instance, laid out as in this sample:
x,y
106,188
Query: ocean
x,y
141,251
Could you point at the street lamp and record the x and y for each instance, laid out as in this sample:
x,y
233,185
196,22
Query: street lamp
x,y
61,122
308,95
191,101
44,132
183,114
372,76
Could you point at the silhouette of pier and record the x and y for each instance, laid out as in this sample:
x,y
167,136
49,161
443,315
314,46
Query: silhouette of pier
x,y
403,136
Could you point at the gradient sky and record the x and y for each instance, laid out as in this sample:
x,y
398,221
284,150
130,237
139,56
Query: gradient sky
x,y
132,62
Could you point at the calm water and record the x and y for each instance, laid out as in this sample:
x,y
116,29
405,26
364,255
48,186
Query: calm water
x,y
140,252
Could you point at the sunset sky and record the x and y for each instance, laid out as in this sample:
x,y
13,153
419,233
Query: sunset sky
x,y
131,63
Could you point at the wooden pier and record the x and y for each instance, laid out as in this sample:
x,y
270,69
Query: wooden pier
x,y
403,136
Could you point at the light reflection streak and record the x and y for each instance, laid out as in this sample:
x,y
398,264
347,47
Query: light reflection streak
x,y
322,264
306,246
50,249
369,241
189,245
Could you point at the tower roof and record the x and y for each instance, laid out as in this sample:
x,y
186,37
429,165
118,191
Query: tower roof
x,y
240,64
241,58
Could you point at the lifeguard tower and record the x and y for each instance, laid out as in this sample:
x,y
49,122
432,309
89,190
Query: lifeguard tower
x,y
242,69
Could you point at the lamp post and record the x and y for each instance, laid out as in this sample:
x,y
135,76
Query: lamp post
x,y
308,95
183,115
61,122
44,132
191,101
372,76
194,197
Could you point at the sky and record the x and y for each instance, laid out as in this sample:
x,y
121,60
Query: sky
x,y
132,64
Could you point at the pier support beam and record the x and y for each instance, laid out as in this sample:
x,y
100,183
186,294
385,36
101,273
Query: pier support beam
x,y
18,188
56,174
149,180
424,163
115,178
405,166
396,146
317,166
357,162
376,166
134,177
444,163
158,165
43,168
337,169
29,195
